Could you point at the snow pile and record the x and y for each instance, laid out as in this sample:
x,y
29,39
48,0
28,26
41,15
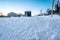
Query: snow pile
x,y
30,28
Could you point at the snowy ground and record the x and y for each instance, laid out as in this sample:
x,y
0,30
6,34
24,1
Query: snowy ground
x,y
30,28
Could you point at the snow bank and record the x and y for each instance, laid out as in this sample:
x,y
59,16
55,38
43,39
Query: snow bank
x,y
30,28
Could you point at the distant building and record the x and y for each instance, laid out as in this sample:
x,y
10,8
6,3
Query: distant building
x,y
1,13
28,13
19,15
49,11
12,14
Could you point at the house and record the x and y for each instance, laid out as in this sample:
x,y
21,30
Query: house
x,y
12,14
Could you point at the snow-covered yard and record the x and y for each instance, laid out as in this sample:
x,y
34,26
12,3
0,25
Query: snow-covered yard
x,y
30,28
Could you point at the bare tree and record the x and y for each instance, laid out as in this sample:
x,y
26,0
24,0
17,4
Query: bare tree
x,y
58,1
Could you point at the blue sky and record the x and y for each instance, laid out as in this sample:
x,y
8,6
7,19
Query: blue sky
x,y
19,6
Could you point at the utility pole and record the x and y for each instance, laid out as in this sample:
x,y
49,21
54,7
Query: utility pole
x,y
52,8
41,11
58,5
